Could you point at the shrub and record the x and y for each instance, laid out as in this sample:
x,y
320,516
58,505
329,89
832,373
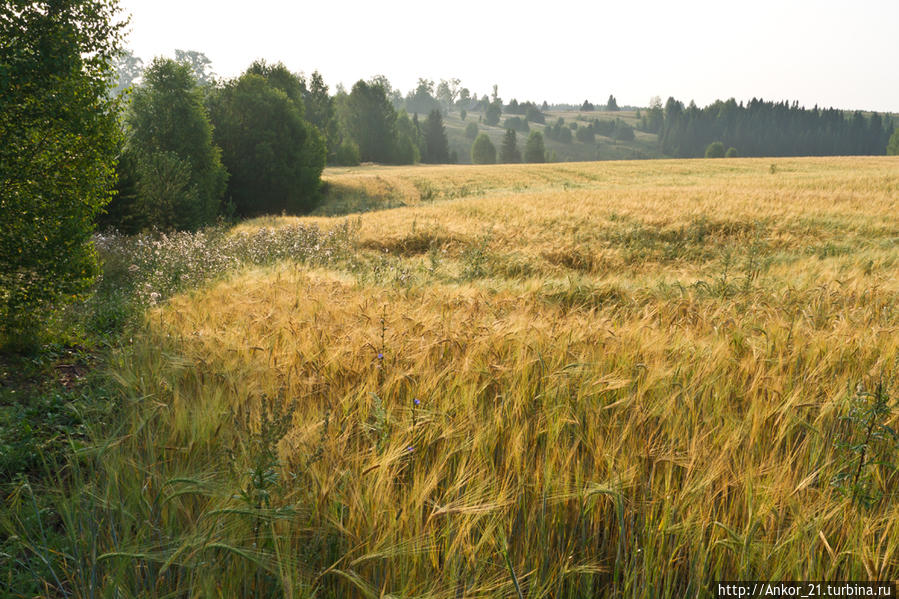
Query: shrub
x,y
715,150
471,130
731,153
483,151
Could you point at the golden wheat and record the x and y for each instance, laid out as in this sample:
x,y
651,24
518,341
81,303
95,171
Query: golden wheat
x,y
631,375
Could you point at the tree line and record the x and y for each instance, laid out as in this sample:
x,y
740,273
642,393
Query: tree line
x,y
760,128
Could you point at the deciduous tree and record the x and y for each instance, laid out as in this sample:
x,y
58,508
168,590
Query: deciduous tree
x,y
172,161
274,156
58,140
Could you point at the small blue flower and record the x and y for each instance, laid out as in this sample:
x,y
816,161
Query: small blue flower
x,y
415,401
410,448
380,356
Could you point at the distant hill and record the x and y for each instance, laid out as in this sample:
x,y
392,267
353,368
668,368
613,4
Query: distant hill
x,y
644,145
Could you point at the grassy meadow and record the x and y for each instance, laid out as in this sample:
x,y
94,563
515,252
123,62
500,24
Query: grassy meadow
x,y
608,379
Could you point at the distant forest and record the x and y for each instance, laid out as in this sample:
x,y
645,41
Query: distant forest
x,y
770,129
196,147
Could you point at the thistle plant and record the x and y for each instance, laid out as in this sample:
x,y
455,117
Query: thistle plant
x,y
868,447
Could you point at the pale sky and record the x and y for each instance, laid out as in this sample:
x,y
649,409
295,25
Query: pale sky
x,y
841,54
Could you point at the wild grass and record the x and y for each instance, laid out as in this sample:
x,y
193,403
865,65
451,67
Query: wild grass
x,y
634,386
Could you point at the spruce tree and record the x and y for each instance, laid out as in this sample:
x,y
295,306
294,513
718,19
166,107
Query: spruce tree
x,y
509,150
436,145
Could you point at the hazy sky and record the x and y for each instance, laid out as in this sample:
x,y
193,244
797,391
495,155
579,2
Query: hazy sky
x,y
842,54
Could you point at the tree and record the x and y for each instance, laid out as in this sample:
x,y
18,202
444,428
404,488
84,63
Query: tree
x,y
483,151
623,131
715,150
585,134
517,123
731,153
128,69
612,104
422,99
275,157
509,150
893,145
320,112
199,64
436,146
409,142
492,114
447,92
587,106
172,162
471,130
534,115
534,151
369,120
59,137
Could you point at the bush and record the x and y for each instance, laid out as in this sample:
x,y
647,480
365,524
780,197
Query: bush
x,y
715,150
471,130
534,150
731,153
483,151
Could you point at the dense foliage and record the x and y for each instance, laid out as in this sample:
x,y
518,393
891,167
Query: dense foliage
x,y
893,146
509,151
436,148
58,138
171,175
274,156
534,150
483,151
762,128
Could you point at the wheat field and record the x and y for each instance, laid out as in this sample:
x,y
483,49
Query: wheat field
x,y
623,379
